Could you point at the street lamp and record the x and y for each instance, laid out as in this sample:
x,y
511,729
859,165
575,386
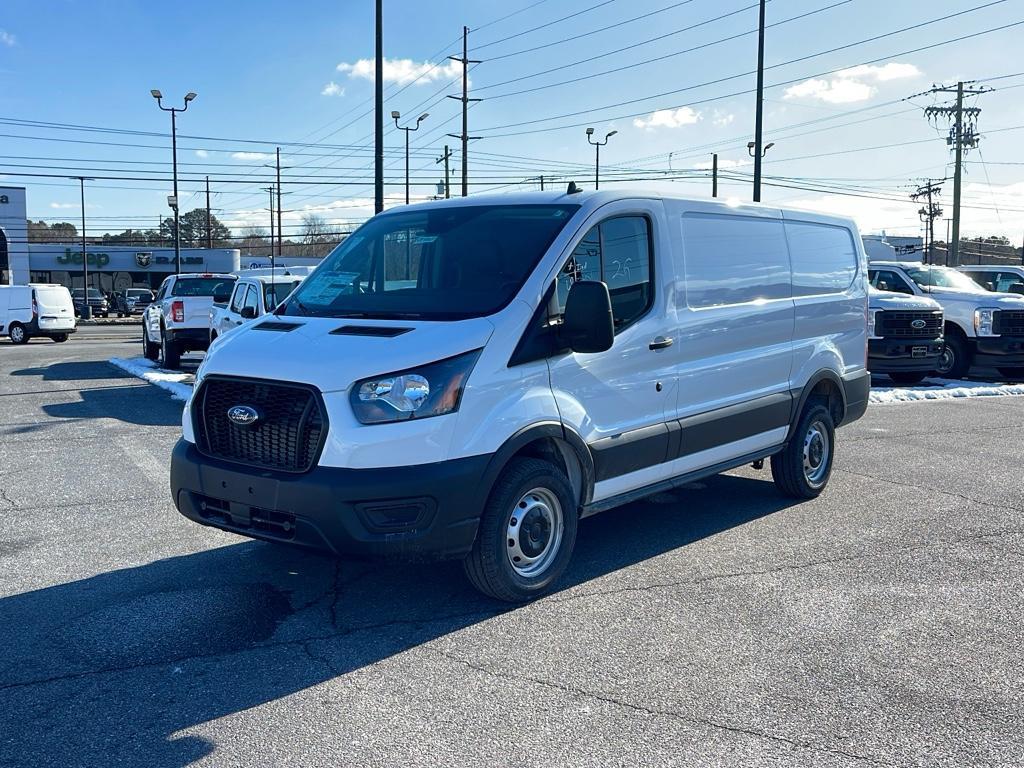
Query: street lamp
x,y
597,153
408,130
752,151
173,201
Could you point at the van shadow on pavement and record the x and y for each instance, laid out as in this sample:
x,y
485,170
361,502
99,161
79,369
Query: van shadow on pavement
x,y
106,670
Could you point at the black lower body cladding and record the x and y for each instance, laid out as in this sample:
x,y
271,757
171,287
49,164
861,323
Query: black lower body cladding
x,y
904,355
345,511
1000,352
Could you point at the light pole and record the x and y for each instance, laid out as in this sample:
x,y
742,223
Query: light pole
x,y
597,153
758,157
408,130
174,159
86,309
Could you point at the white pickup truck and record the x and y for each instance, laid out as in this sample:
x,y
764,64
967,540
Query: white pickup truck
x,y
178,320
980,327
253,296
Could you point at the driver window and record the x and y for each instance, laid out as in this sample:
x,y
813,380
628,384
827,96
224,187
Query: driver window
x,y
251,300
886,280
236,300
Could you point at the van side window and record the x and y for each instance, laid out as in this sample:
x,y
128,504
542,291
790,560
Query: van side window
x,y
734,260
618,252
823,257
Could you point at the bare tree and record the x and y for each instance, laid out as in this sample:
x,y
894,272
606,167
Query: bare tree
x,y
254,241
317,239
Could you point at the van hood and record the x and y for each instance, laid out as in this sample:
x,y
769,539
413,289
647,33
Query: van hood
x,y
886,300
314,353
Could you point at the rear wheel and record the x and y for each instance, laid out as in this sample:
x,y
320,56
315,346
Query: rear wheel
x,y
60,338
170,352
527,532
1012,373
802,469
18,333
955,360
907,377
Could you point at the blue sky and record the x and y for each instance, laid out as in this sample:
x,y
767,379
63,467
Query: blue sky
x,y
266,74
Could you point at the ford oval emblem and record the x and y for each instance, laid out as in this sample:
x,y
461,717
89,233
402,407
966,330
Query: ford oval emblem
x,y
918,324
243,415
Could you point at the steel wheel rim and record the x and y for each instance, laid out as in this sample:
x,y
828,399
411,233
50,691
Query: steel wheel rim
x,y
533,535
17,334
817,453
946,360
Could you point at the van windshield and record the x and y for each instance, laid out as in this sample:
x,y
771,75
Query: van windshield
x,y
439,264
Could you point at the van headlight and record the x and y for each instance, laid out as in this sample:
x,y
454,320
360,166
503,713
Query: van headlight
x,y
430,390
984,321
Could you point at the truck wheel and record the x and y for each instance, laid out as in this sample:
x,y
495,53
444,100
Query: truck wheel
x,y
1012,373
150,351
60,338
907,377
170,353
18,333
955,360
802,469
527,532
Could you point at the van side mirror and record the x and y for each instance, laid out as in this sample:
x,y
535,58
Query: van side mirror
x,y
587,324
221,295
247,313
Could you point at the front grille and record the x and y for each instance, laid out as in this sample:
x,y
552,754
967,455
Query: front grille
x,y
287,435
899,324
1009,322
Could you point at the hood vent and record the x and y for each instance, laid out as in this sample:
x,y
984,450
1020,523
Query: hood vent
x,y
277,325
381,331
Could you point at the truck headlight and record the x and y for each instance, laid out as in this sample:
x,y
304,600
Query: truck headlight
x,y
873,323
430,390
984,321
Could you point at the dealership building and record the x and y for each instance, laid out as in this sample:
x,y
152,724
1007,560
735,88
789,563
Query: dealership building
x,y
110,267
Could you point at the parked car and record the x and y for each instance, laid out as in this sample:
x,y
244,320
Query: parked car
x,y
178,320
131,301
37,309
252,297
97,302
1001,278
981,327
468,378
904,336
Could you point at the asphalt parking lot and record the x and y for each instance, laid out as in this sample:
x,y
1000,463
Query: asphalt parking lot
x,y
880,624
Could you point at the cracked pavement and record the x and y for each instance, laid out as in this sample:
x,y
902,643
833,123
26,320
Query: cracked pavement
x,y
719,625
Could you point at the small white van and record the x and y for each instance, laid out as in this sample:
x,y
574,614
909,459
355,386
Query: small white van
x,y
468,378
37,309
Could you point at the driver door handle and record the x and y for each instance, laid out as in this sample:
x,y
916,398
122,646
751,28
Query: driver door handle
x,y
661,342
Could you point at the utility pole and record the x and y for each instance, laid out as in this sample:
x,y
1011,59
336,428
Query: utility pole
x,y
929,213
278,204
209,229
464,136
962,135
447,182
714,175
759,114
378,112
270,189
542,182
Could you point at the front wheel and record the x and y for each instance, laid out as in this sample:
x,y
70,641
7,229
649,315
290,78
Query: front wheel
x,y
150,351
60,338
955,360
527,532
907,377
802,469
18,333
1012,373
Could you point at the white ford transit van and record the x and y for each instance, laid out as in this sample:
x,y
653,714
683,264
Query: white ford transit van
x,y
38,309
468,378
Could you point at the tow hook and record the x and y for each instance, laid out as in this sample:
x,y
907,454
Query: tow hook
x,y
759,464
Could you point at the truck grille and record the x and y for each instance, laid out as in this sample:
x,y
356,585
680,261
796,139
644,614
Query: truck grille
x,y
900,324
1009,322
286,436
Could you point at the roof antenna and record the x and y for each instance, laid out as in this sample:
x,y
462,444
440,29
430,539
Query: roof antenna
x,y
573,189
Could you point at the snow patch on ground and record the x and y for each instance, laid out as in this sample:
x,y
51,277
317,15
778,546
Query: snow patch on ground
x,y
177,383
942,389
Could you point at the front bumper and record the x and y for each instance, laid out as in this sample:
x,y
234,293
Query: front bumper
x,y
898,355
423,512
999,352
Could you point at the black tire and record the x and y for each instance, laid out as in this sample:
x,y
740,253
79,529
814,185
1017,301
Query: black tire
x,y
908,377
1011,373
170,353
489,566
802,469
955,361
18,334
60,338
150,351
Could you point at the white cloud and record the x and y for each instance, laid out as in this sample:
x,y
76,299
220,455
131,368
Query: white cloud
x,y
6,38
72,206
722,119
668,118
851,85
403,71
202,153
332,89
249,156
722,164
